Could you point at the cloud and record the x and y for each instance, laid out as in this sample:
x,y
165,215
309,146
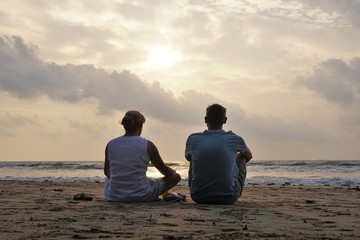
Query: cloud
x,y
92,129
335,80
24,75
11,120
348,10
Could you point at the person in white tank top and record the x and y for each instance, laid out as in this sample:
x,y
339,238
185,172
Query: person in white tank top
x,y
126,161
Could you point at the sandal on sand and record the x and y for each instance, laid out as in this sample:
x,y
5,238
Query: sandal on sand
x,y
83,196
174,197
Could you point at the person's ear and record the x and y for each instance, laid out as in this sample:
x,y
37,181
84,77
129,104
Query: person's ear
x,y
205,119
225,119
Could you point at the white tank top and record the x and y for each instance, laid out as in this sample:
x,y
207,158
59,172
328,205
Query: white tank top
x,y
129,161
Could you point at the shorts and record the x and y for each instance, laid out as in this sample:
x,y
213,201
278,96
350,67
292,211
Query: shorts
x,y
157,187
241,163
129,193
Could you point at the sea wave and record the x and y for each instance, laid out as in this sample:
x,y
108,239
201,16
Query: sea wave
x,y
53,165
299,163
55,179
66,165
267,172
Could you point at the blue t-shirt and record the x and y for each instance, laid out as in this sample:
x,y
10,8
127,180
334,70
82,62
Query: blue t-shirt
x,y
214,169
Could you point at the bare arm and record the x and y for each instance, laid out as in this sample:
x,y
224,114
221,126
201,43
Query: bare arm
x,y
157,161
247,155
106,164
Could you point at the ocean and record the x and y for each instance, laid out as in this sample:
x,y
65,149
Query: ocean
x,y
314,172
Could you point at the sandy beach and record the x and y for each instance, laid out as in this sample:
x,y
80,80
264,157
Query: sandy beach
x,y
47,210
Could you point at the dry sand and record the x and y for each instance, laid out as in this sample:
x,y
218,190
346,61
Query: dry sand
x,y
46,210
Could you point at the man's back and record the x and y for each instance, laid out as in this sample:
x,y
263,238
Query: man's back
x,y
213,173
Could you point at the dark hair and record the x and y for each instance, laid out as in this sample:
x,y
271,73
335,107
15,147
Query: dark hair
x,y
132,121
215,114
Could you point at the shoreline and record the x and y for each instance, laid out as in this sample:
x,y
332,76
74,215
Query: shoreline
x,y
317,172
47,210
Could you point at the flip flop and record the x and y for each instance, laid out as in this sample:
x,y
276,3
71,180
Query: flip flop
x,y
174,197
83,196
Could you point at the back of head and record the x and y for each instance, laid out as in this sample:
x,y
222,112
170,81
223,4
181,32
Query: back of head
x,y
216,114
132,121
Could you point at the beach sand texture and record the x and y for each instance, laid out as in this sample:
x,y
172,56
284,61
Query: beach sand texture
x,y
47,210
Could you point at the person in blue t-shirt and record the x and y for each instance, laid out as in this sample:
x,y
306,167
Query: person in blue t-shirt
x,y
218,160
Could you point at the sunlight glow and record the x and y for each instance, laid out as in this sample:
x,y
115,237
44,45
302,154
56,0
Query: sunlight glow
x,y
162,57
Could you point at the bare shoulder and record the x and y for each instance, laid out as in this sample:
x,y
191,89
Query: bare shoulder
x,y
151,148
151,144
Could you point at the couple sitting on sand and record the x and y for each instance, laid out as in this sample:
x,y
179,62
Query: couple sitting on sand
x,y
217,159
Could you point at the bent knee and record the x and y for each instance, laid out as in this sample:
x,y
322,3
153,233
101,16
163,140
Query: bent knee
x,y
174,178
172,181
177,177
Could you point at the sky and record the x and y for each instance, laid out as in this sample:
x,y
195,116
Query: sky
x,y
288,73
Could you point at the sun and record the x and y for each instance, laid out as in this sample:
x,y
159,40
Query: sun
x,y
162,57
